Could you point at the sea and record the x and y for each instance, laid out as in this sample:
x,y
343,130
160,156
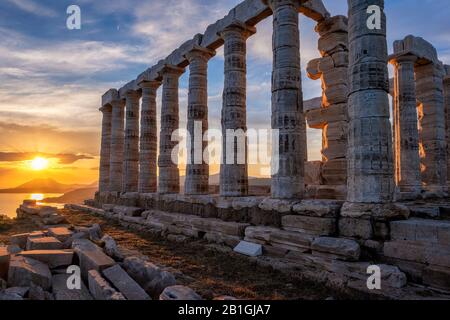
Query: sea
x,y
9,202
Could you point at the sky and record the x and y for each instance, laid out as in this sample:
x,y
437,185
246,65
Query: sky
x,y
52,78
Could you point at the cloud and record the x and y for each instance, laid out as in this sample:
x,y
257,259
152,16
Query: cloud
x,y
61,158
33,7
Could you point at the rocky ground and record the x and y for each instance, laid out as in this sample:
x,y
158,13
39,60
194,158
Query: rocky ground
x,y
210,271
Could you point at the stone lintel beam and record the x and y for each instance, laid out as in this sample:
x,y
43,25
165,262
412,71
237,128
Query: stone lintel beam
x,y
152,73
416,46
312,104
314,9
131,86
110,96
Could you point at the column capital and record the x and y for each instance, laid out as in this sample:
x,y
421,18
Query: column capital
x,y
198,51
399,59
154,84
273,4
172,70
237,26
132,94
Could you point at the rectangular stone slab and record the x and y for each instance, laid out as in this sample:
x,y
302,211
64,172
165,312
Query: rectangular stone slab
x,y
44,243
53,258
343,248
4,262
248,249
21,239
126,285
25,271
100,288
60,233
62,292
91,257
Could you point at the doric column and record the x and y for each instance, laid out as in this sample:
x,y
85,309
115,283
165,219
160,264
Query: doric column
x,y
105,151
447,109
430,95
169,175
197,169
117,139
406,133
233,169
131,146
288,161
148,141
370,160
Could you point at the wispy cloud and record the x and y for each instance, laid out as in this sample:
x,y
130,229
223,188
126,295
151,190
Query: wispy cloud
x,y
33,7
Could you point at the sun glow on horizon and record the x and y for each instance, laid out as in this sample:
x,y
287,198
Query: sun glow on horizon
x,y
39,164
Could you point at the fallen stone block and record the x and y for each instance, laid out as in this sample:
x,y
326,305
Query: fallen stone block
x,y
5,258
60,233
91,257
20,291
111,248
437,277
148,276
343,248
44,243
46,211
179,293
5,296
53,219
312,225
100,288
248,249
53,258
25,271
125,284
13,248
21,239
62,292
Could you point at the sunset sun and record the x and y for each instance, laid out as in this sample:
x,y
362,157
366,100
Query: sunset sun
x,y
39,164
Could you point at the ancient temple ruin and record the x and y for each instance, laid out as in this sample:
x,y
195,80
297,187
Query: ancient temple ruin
x,y
380,191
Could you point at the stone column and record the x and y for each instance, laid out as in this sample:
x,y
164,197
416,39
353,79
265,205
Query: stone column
x,y
430,94
131,146
447,109
105,151
233,169
169,175
288,163
197,170
117,140
370,160
406,133
149,136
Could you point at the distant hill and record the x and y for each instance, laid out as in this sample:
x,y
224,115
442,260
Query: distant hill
x,y
43,186
76,196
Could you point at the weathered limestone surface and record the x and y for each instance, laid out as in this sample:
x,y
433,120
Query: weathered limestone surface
x,y
60,233
430,94
44,243
169,176
287,103
105,151
342,248
100,288
131,143
61,292
233,169
148,139
370,162
91,257
447,108
432,231
4,262
179,293
126,285
406,133
23,271
117,145
52,258
197,169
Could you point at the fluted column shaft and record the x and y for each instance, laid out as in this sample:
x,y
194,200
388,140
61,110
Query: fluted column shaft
x,y
197,169
169,175
233,169
131,145
117,141
370,160
287,102
430,95
148,140
105,151
447,108
406,133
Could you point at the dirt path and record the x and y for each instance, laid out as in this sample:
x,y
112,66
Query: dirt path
x,y
209,272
